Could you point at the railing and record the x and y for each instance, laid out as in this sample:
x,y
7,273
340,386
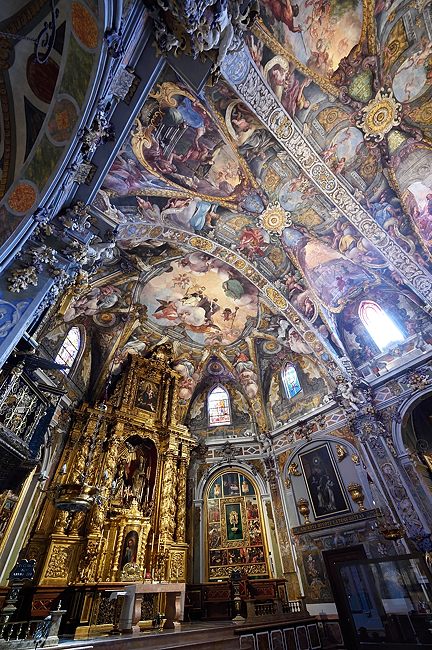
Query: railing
x,y
20,630
293,607
31,634
265,609
273,609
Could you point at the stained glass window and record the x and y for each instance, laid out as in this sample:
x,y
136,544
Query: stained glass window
x,y
379,324
219,407
290,380
69,349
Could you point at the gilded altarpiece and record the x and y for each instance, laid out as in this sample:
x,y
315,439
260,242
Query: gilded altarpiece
x,y
132,451
235,533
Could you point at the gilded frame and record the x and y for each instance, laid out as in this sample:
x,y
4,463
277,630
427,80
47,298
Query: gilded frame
x,y
324,452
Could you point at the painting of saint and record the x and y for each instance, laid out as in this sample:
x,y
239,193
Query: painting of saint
x,y
216,489
333,277
413,76
210,301
213,512
231,485
419,198
320,33
136,474
147,396
246,486
251,509
255,534
214,535
216,557
287,84
322,482
319,587
126,175
233,520
95,301
130,548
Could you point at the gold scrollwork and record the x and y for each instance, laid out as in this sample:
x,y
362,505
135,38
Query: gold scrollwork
x,y
202,244
276,297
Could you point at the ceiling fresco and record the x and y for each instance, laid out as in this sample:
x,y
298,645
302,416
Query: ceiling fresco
x,y
319,34
228,245
202,296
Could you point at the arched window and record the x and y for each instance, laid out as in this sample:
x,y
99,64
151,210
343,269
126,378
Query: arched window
x,y
69,349
290,380
219,412
379,324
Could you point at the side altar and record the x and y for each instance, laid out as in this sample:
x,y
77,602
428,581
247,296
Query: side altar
x,y
116,508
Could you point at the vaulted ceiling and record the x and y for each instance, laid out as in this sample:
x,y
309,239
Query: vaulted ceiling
x,y
49,54
252,219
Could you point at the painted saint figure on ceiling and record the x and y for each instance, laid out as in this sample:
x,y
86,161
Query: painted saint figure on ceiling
x,y
332,277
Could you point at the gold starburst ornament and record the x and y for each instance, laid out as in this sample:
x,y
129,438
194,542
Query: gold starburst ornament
x,y
379,117
274,218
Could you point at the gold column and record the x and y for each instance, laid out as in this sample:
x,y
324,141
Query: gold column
x,y
167,498
109,468
119,546
181,502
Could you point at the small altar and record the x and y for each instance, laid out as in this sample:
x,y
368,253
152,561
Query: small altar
x,y
132,614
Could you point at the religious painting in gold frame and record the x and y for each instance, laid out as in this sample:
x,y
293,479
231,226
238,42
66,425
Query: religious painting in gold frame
x,y
325,489
146,396
235,535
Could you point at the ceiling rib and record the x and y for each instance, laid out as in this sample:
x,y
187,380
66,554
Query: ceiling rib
x,y
243,76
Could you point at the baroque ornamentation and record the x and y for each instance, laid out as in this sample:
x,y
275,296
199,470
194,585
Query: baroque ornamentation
x,y
341,452
20,279
201,27
380,115
257,95
292,470
99,132
59,561
274,218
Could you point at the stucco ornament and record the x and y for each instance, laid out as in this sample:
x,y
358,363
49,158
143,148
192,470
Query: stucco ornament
x,y
201,26
274,218
43,255
380,115
349,394
21,279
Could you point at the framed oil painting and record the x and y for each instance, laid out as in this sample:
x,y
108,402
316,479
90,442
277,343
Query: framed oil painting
x,y
233,521
146,396
326,492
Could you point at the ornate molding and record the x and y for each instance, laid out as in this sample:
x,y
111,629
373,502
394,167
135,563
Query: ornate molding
x,y
352,518
242,75
379,116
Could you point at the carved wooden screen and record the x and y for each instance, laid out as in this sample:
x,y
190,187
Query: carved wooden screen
x,y
235,536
